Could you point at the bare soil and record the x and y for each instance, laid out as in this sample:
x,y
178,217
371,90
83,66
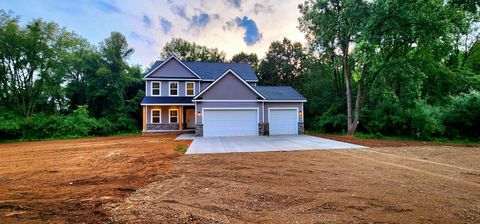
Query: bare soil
x,y
141,179
68,181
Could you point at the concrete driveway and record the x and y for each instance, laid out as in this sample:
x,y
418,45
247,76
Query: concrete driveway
x,y
264,144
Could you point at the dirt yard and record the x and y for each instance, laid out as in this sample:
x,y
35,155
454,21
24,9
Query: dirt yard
x,y
68,181
141,179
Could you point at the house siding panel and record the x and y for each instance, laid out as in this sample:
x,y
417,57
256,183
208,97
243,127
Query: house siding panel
x,y
229,88
170,69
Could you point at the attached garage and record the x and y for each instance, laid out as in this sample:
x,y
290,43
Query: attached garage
x,y
230,122
283,121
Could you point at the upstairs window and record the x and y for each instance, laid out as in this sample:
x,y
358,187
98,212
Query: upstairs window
x,y
189,89
173,115
156,116
155,88
173,88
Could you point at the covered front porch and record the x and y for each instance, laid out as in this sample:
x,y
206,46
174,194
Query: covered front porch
x,y
168,118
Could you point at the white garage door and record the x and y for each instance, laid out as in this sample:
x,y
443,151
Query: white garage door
x,y
283,121
238,122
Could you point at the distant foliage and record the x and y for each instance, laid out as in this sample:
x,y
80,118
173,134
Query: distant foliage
x,y
190,51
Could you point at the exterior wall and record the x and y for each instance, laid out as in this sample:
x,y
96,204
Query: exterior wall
x,y
164,115
172,68
164,91
229,87
204,85
273,105
201,105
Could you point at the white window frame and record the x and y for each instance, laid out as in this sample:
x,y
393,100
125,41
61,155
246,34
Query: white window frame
x,y
186,89
170,89
170,116
159,88
160,116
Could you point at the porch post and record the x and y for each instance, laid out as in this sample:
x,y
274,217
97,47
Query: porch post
x,y
144,118
180,118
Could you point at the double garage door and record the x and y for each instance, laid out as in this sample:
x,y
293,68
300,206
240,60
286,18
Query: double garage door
x,y
244,122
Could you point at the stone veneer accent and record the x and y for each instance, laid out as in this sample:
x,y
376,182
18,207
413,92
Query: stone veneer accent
x,y
300,128
199,130
263,129
162,126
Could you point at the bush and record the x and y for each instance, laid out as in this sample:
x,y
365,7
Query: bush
x,y
462,116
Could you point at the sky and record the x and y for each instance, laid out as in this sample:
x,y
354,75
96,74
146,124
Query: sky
x,y
229,25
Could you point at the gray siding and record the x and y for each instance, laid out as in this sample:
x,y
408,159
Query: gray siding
x,y
172,68
164,87
229,88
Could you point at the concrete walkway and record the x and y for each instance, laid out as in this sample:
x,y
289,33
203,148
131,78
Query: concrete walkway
x,y
264,144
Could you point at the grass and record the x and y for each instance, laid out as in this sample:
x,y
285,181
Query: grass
x,y
399,138
181,148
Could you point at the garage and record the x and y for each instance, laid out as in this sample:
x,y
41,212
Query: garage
x,y
283,121
230,122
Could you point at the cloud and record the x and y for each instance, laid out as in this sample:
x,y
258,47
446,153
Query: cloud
x,y
235,3
147,22
166,25
179,11
202,19
106,7
142,38
260,8
252,35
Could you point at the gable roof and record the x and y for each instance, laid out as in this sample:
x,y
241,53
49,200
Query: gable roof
x,y
230,71
279,93
161,63
212,70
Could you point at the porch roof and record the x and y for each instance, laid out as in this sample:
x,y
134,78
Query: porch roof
x,y
167,100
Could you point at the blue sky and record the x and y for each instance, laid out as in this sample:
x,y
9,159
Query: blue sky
x,y
229,25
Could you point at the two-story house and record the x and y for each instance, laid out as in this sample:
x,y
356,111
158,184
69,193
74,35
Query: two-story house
x,y
217,99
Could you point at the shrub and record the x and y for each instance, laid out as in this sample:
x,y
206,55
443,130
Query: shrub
x,y
462,116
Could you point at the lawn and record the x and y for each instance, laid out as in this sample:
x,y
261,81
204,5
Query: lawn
x,y
145,179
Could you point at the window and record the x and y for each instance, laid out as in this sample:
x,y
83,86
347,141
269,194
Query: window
x,y
155,88
156,116
173,88
189,89
173,115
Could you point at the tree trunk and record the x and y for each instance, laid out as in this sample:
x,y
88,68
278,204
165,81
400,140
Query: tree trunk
x,y
346,75
358,103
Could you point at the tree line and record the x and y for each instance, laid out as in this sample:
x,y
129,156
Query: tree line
x,y
406,68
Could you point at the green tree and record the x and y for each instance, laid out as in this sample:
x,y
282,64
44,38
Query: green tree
x,y
283,64
251,59
189,51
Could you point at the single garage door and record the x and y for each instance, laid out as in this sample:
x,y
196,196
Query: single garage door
x,y
283,121
231,122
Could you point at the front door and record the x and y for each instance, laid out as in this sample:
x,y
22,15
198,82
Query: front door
x,y
190,118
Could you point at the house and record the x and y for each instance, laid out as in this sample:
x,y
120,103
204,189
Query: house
x,y
217,99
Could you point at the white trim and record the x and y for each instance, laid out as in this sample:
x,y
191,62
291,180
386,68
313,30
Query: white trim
x,y
282,108
169,88
287,101
235,74
167,104
170,58
151,116
263,112
230,108
303,114
195,113
159,88
186,89
146,87
227,100
167,79
169,117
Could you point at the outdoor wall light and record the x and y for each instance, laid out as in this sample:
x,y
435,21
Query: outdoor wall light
x,y
300,112
199,113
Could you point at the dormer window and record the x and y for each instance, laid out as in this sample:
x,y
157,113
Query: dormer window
x,y
155,88
189,89
173,88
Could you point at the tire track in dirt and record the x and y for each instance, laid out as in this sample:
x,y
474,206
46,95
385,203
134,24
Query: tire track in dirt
x,y
409,168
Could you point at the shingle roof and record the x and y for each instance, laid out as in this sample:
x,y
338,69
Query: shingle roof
x,y
213,70
279,93
166,100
